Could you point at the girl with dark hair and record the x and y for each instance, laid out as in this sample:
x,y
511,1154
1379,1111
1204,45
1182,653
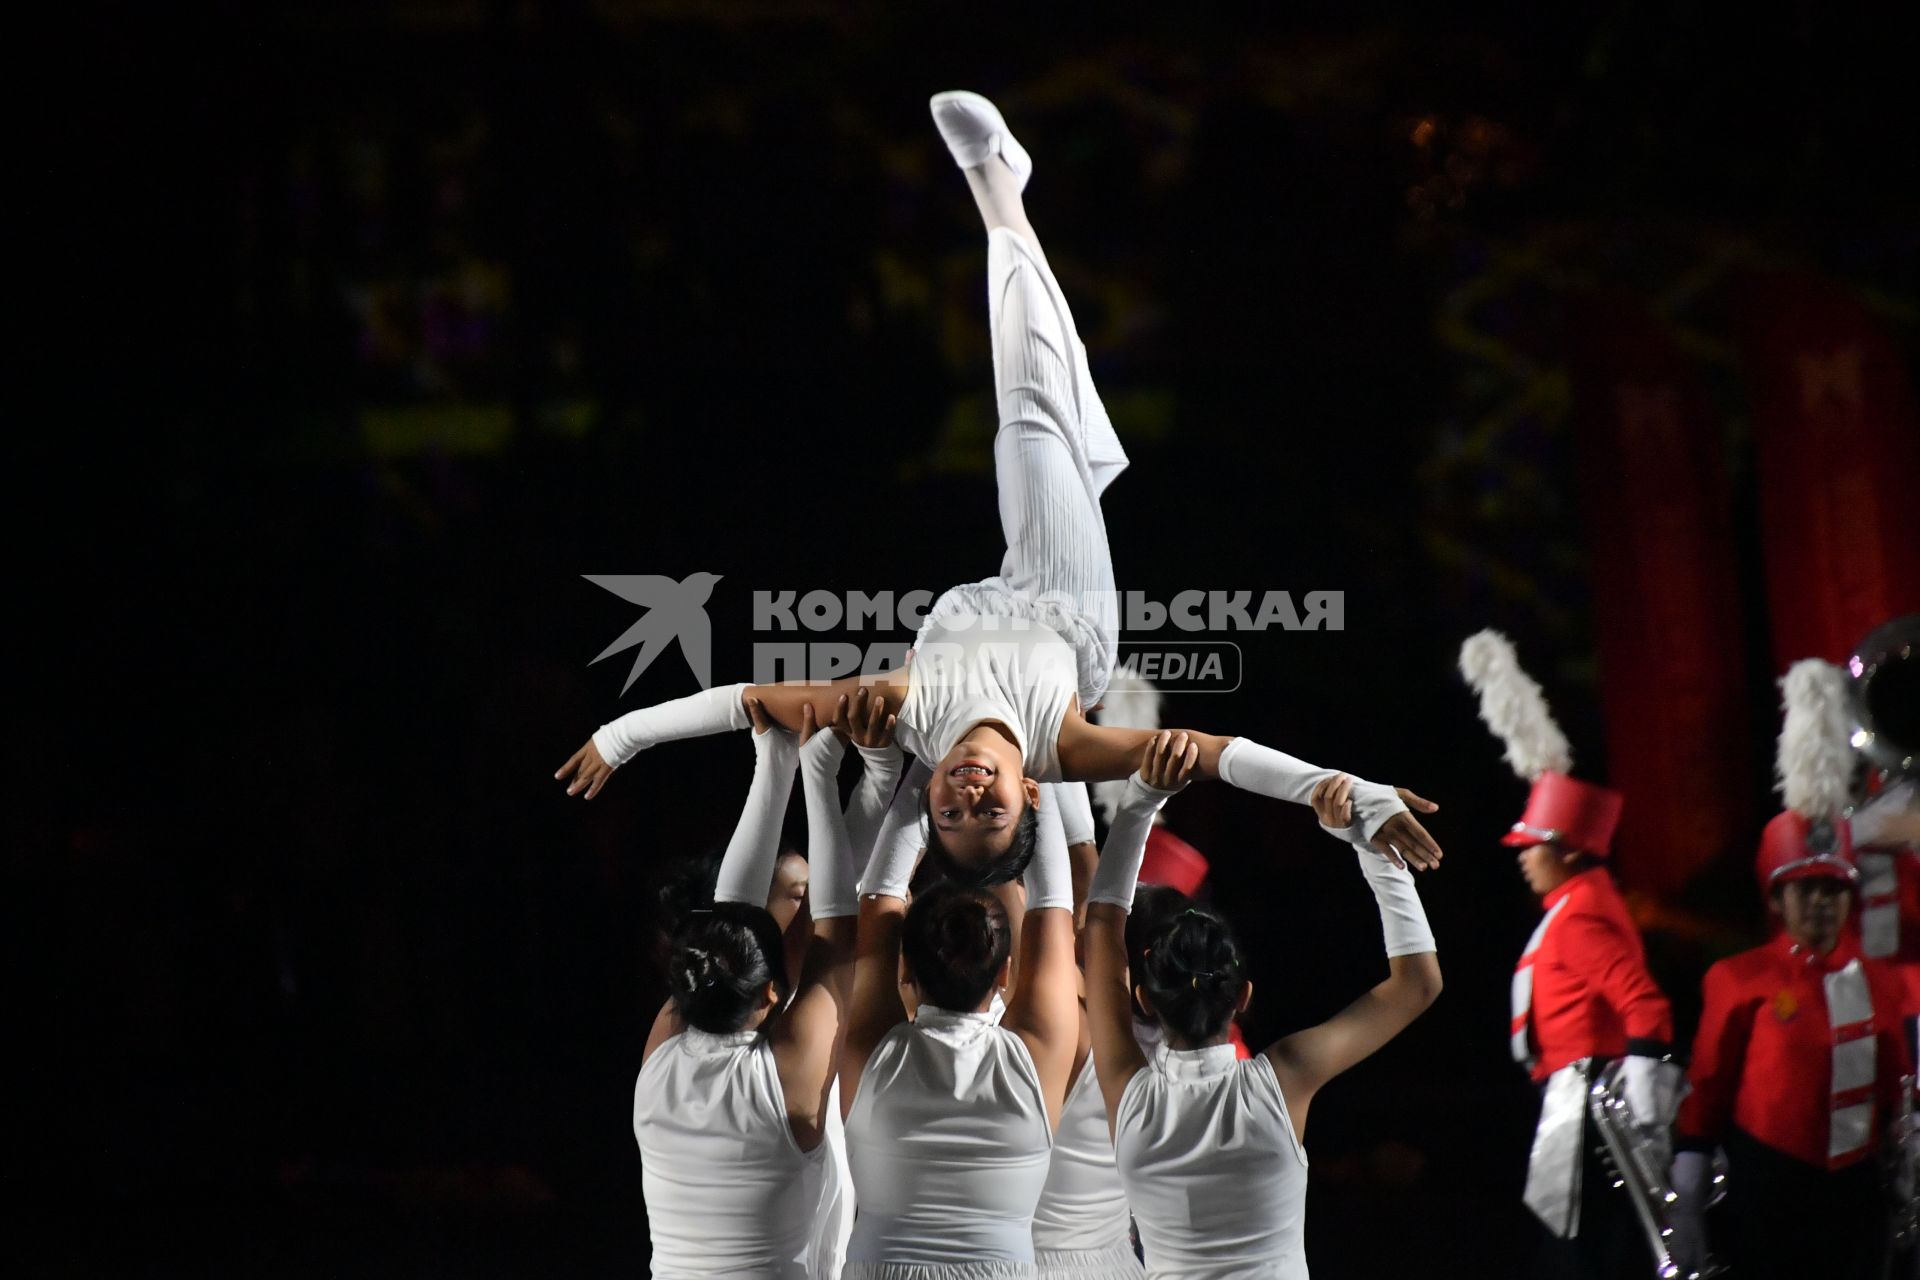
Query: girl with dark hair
x,y
1003,670
1210,1148
731,1107
950,1116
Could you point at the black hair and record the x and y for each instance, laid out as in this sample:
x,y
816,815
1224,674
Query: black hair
x,y
1010,866
955,939
1153,906
1192,971
722,960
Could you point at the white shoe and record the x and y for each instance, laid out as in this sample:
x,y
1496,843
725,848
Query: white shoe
x,y
974,132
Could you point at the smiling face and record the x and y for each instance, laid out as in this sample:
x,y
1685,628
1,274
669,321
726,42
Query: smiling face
x,y
976,797
1812,909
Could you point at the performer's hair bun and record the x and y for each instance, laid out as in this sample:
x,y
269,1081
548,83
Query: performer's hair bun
x,y
954,941
722,959
1193,974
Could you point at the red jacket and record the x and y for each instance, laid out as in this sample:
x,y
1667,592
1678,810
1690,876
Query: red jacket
x,y
1765,1056
1887,923
1591,993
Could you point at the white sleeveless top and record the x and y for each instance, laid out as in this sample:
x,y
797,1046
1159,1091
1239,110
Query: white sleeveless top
x,y
1083,1207
1216,1178
948,1140
728,1189
967,668
833,1219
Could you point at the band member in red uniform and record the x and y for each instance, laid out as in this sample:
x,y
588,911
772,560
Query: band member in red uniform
x,y
1796,1076
1582,996
1797,1062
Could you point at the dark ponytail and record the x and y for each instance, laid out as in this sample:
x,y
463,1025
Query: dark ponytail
x,y
954,940
1192,972
721,963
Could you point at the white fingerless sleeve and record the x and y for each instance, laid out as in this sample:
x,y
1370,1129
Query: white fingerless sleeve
x,y
713,711
829,850
1049,877
1115,879
1251,767
902,836
872,795
1403,921
746,869
1075,808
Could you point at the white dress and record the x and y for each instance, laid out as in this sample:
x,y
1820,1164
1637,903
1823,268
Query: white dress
x,y
1054,454
1081,1228
948,1140
729,1192
1215,1176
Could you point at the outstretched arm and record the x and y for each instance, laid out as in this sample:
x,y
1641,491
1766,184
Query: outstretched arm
x,y
1168,759
1308,1059
874,1007
714,710
1093,753
746,869
806,1039
1045,1009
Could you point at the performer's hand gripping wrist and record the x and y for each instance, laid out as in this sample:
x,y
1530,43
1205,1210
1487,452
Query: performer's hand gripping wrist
x,y
1401,839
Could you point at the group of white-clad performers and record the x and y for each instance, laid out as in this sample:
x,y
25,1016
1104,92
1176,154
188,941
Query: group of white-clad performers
x,y
977,1046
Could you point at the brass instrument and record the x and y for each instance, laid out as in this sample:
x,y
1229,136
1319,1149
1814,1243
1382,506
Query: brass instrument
x,y
1639,1156
1885,692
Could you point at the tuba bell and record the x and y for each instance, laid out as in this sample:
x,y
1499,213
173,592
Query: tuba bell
x,y
1885,693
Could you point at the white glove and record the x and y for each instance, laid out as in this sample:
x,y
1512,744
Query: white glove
x,y
1692,1177
1049,877
872,796
1246,764
713,711
1118,874
1403,920
1076,810
896,850
829,850
1652,1087
746,869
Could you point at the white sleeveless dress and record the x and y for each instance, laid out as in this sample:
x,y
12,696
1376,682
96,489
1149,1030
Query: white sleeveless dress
x,y
1215,1176
967,669
729,1192
1081,1228
948,1141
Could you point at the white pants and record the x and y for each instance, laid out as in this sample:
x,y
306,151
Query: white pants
x,y
1054,454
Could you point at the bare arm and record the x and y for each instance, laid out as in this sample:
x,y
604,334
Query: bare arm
x,y
1097,752
874,1008
1116,1054
1308,1059
1044,1010
806,1041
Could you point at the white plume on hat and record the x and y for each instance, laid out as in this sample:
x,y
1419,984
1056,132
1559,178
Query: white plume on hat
x,y
1513,706
1130,703
1813,767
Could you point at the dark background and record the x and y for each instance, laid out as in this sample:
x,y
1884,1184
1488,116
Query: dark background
x,y
357,333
